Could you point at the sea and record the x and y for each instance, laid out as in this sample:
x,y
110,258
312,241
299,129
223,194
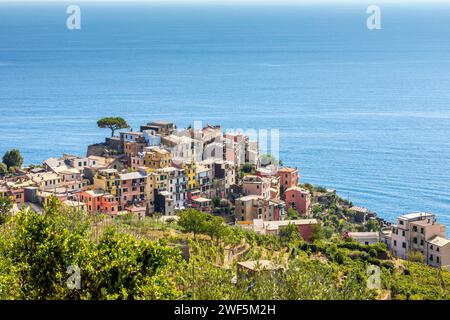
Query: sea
x,y
363,111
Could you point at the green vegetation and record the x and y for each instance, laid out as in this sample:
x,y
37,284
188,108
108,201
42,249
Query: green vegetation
x,y
194,258
6,205
3,168
112,123
292,214
12,159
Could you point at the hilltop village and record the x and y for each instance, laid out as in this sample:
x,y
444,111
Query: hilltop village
x,y
161,170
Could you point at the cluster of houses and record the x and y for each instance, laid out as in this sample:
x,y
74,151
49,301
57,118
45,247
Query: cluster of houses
x,y
162,169
416,232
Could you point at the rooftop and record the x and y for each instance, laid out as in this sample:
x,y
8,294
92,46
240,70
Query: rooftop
x,y
132,175
201,199
416,215
287,169
439,241
95,193
297,188
359,209
282,223
364,235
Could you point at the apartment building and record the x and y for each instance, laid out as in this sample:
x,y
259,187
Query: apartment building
x,y
402,232
131,188
251,207
254,185
157,158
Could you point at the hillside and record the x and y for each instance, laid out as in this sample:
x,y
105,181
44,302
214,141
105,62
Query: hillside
x,y
125,258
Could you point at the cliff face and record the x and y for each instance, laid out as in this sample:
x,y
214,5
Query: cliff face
x,y
98,149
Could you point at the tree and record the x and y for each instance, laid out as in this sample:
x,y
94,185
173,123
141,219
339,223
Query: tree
x,y
216,202
415,256
192,220
317,232
3,168
13,158
290,234
215,227
6,205
112,123
247,168
372,225
292,214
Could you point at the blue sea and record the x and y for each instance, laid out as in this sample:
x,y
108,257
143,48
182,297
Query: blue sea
x,y
364,111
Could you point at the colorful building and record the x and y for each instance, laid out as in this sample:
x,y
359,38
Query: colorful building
x,y
251,207
157,158
298,199
106,179
254,185
131,188
289,178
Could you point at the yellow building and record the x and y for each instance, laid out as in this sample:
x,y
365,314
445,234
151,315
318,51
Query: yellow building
x,y
157,158
190,170
155,180
106,180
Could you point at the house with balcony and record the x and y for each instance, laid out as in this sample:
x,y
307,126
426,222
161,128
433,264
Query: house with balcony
x,y
106,179
97,201
201,203
203,178
131,188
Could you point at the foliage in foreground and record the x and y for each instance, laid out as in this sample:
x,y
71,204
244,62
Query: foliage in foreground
x,y
36,252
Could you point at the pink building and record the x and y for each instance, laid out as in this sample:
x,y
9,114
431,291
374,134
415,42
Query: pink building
x,y
254,185
298,199
131,188
288,177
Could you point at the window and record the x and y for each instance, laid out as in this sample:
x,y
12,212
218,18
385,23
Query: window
x,y
415,240
293,195
395,242
421,230
401,222
437,249
437,259
431,257
415,228
403,233
421,242
404,245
